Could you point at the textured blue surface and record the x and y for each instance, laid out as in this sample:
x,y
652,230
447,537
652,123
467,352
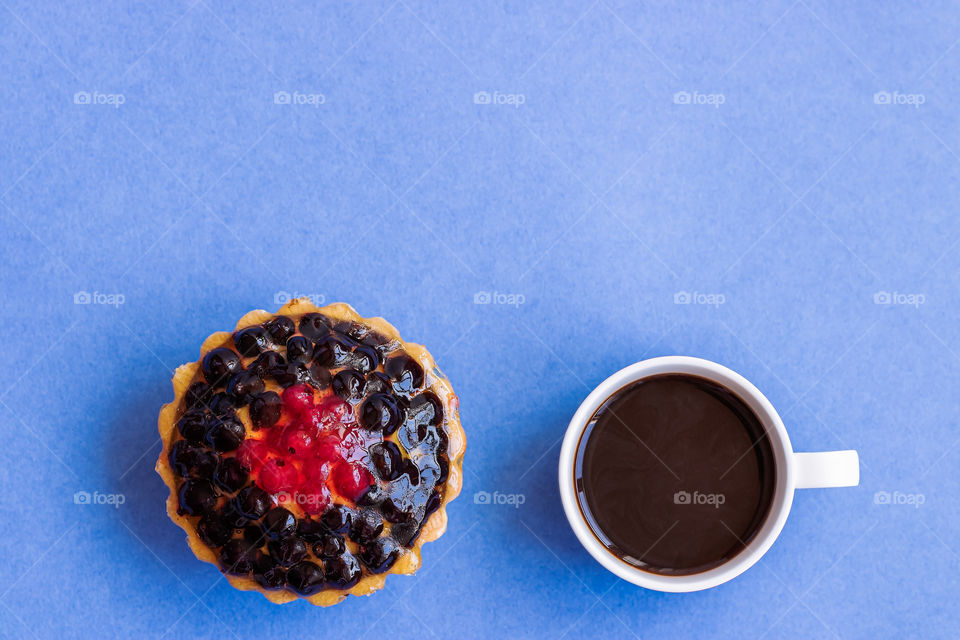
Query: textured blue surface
x,y
587,192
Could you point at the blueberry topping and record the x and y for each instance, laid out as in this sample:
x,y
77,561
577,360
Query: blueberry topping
x,y
214,530
412,472
380,554
349,384
253,535
279,523
342,572
221,405
183,457
425,409
243,386
387,460
396,509
219,364
265,409
198,395
330,545
365,358
444,466
338,518
280,328
237,557
306,578
378,382
252,502
366,526
268,573
313,326
251,341
311,530
406,373
197,497
226,434
232,517
265,362
405,533
333,351
380,413
193,425
350,328
287,551
299,349
230,475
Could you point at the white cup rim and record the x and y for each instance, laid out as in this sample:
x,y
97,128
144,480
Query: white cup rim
x,y
785,482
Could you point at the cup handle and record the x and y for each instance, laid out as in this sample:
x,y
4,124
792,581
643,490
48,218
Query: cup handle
x,y
827,469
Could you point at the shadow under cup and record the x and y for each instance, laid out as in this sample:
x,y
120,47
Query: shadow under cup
x,y
675,474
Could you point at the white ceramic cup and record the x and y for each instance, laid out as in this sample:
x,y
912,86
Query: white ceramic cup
x,y
793,471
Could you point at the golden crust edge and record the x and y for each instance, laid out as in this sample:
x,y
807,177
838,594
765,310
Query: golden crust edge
x,y
435,526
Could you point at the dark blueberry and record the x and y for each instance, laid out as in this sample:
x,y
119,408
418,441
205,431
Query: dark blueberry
x,y
243,386
350,328
378,382
349,384
252,502
412,472
365,358
205,464
280,328
387,460
253,535
287,551
226,434
193,425
198,395
299,349
214,530
221,405
314,326
306,578
330,545
338,518
372,497
265,409
219,364
279,523
367,525
251,341
290,374
333,350
265,362
342,572
232,517
374,339
197,497
405,533
425,409
396,509
311,530
406,373
444,466
433,503
380,413
380,554
183,457
230,475
238,558
319,376
268,573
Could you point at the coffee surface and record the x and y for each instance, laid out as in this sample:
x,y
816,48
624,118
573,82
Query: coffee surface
x,y
675,474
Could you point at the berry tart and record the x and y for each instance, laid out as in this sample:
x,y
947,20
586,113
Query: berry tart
x,y
311,452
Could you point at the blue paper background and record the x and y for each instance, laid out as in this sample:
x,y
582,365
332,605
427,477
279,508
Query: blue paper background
x,y
797,203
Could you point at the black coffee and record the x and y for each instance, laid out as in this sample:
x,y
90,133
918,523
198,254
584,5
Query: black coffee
x,y
675,474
